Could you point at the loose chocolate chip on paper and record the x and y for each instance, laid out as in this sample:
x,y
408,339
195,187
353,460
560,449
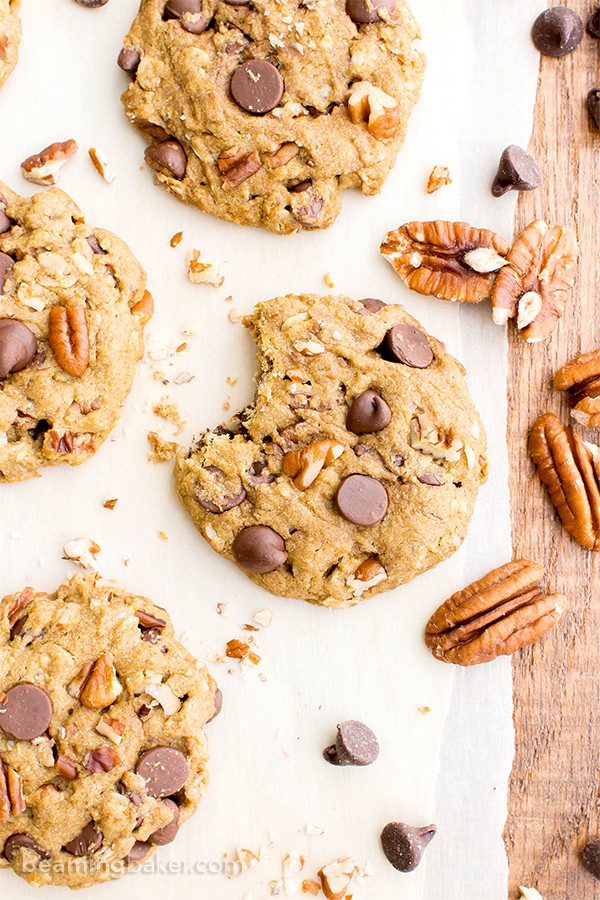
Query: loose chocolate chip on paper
x,y
355,745
593,25
591,858
365,12
168,155
369,413
259,549
408,345
593,105
517,171
164,769
129,60
17,346
557,31
362,500
404,845
26,712
87,842
256,86
167,833
21,841
371,306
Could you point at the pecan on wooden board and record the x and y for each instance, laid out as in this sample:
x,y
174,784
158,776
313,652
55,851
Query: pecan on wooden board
x,y
570,469
448,260
580,378
504,611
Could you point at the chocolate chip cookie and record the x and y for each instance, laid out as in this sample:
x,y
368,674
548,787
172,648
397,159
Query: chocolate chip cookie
x,y
102,749
10,37
356,467
73,307
262,112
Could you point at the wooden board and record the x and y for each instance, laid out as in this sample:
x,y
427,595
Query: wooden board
x,y
555,784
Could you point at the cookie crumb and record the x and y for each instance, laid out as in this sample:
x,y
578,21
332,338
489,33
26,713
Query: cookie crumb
x,y
328,280
169,411
160,450
101,165
439,177
202,273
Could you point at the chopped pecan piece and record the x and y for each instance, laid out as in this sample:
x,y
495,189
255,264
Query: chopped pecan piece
x,y
536,284
99,683
368,573
17,604
580,378
448,260
570,469
66,767
427,437
111,728
144,308
495,616
303,466
68,337
102,759
12,801
236,165
282,155
147,620
439,178
337,877
44,167
367,103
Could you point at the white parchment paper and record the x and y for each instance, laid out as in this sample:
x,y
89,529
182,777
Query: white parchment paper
x,y
318,667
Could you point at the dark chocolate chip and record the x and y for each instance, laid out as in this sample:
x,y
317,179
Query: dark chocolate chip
x,y
259,549
355,745
371,305
92,4
237,2
189,13
593,25
87,842
168,155
167,833
95,245
164,769
129,60
404,845
18,842
309,212
6,264
218,701
365,12
26,712
17,346
256,86
5,222
408,345
259,473
362,500
300,187
138,852
557,31
218,504
430,478
591,858
517,171
593,105
369,413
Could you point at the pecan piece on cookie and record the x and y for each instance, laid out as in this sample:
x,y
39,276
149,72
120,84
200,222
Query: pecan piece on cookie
x,y
536,284
371,105
580,378
448,260
236,165
68,337
570,469
504,611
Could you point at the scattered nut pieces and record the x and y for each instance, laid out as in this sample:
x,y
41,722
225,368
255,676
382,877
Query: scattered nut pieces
x,y
580,378
328,280
82,551
202,273
113,729
101,165
504,611
309,886
44,167
439,178
380,112
337,877
176,239
263,618
102,759
304,466
12,800
309,348
368,573
161,450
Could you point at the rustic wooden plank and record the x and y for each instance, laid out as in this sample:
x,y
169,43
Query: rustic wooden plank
x,y
555,783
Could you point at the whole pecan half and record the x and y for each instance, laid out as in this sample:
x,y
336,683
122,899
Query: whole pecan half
x,y
504,611
536,284
236,165
68,337
580,378
448,260
570,469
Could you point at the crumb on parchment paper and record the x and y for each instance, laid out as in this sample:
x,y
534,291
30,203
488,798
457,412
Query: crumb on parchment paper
x,y
161,450
169,411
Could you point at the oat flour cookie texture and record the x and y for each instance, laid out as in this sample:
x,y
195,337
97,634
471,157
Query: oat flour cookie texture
x,y
356,467
262,112
10,37
102,750
73,307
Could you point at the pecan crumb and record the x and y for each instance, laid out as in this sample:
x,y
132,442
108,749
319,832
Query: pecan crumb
x,y
44,167
202,273
101,165
438,178
176,239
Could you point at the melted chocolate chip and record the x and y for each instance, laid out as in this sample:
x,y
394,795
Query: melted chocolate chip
x,y
362,500
129,60
167,833
5,222
18,346
169,156
259,549
591,858
365,12
6,264
87,842
216,503
164,769
256,86
407,345
371,305
20,841
26,712
218,701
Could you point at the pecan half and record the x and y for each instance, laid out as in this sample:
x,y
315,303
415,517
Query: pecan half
x,y
99,683
536,284
68,337
448,260
12,800
580,378
504,611
303,466
236,165
44,167
570,469
380,112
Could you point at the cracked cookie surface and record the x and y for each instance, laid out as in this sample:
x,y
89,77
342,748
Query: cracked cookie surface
x,y
262,112
72,312
10,37
102,749
356,467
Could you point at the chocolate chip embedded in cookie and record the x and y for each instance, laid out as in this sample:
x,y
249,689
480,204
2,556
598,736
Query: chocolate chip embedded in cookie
x,y
102,749
74,307
242,103
10,37
356,467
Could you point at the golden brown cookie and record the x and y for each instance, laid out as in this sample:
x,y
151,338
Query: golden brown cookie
x,y
10,37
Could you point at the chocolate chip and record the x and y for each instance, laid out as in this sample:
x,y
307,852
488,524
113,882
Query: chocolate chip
x,y
430,478
26,712
404,845
95,245
216,503
92,4
218,701
557,31
18,842
129,60
256,86
365,12
17,346
167,833
194,21
6,264
591,858
255,473
237,2
168,155
362,500
517,172
308,213
259,549
355,745
164,769
371,305
138,852
593,25
300,187
593,105
369,412
5,223
87,841
408,345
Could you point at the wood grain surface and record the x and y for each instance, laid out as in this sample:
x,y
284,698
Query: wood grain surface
x,y
555,784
